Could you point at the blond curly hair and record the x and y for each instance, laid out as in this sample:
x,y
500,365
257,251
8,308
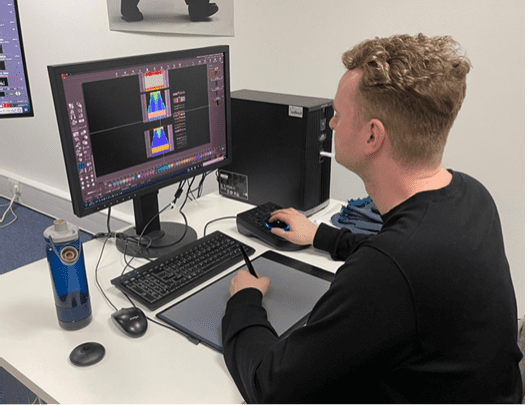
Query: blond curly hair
x,y
415,85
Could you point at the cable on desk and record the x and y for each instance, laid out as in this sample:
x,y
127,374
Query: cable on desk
x,y
111,234
219,219
97,280
192,339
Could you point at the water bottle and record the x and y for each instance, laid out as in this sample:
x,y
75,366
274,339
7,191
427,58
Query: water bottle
x,y
70,287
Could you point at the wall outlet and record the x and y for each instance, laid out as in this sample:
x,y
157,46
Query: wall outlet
x,y
15,188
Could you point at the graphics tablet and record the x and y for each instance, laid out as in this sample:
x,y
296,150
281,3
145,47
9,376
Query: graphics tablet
x,y
294,290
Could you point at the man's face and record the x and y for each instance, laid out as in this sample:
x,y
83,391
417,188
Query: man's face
x,y
348,122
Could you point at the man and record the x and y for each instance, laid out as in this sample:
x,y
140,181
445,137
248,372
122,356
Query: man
x,y
422,312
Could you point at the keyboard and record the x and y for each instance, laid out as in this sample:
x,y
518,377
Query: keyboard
x,y
253,223
170,276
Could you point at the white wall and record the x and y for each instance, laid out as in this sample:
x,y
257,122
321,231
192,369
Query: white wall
x,y
294,46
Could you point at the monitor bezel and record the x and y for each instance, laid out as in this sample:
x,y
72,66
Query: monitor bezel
x,y
30,112
55,74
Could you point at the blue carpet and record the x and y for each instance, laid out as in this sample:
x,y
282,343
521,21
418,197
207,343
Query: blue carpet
x,y
22,242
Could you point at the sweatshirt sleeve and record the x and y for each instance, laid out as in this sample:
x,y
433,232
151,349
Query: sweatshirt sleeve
x,y
339,242
362,321
246,337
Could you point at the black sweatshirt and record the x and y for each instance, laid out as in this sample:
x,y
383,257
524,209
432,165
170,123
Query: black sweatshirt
x,y
422,312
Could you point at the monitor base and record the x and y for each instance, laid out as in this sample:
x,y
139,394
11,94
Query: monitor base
x,y
163,241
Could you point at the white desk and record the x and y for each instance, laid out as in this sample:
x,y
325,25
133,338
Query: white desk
x,y
160,367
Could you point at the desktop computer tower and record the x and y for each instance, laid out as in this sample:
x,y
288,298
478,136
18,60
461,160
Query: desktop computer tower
x,y
277,140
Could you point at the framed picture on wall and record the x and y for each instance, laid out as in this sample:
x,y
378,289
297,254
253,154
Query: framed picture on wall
x,y
192,17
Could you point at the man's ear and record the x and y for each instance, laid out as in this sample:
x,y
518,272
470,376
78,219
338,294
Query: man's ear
x,y
376,136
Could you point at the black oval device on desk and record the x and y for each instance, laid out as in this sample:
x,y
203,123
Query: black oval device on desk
x,y
87,354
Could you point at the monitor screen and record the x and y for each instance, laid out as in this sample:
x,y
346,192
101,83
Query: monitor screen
x,y
130,126
15,98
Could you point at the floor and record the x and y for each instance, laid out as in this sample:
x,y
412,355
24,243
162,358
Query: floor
x,y
22,242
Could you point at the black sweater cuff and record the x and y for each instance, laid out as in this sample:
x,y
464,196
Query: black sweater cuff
x,y
249,295
325,236
339,242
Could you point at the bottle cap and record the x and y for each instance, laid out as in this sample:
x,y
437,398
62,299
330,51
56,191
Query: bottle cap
x,y
61,231
60,226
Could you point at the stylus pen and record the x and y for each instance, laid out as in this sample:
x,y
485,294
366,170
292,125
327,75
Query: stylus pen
x,y
247,260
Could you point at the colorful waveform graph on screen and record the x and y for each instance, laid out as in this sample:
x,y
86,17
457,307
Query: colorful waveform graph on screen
x,y
154,80
160,142
156,108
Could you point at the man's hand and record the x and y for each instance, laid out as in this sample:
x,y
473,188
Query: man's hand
x,y
245,279
302,231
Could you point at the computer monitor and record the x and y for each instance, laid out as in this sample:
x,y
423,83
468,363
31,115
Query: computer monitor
x,y
131,126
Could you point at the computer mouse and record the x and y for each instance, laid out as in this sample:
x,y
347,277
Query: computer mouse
x,y
131,321
87,354
275,224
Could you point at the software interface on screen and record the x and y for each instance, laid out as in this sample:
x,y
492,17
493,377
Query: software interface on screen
x,y
140,125
15,100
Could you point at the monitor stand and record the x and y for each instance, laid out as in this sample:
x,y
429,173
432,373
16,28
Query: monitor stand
x,y
163,237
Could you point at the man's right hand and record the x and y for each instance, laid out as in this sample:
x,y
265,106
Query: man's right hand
x,y
302,231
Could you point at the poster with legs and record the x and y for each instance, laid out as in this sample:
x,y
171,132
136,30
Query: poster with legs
x,y
192,17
